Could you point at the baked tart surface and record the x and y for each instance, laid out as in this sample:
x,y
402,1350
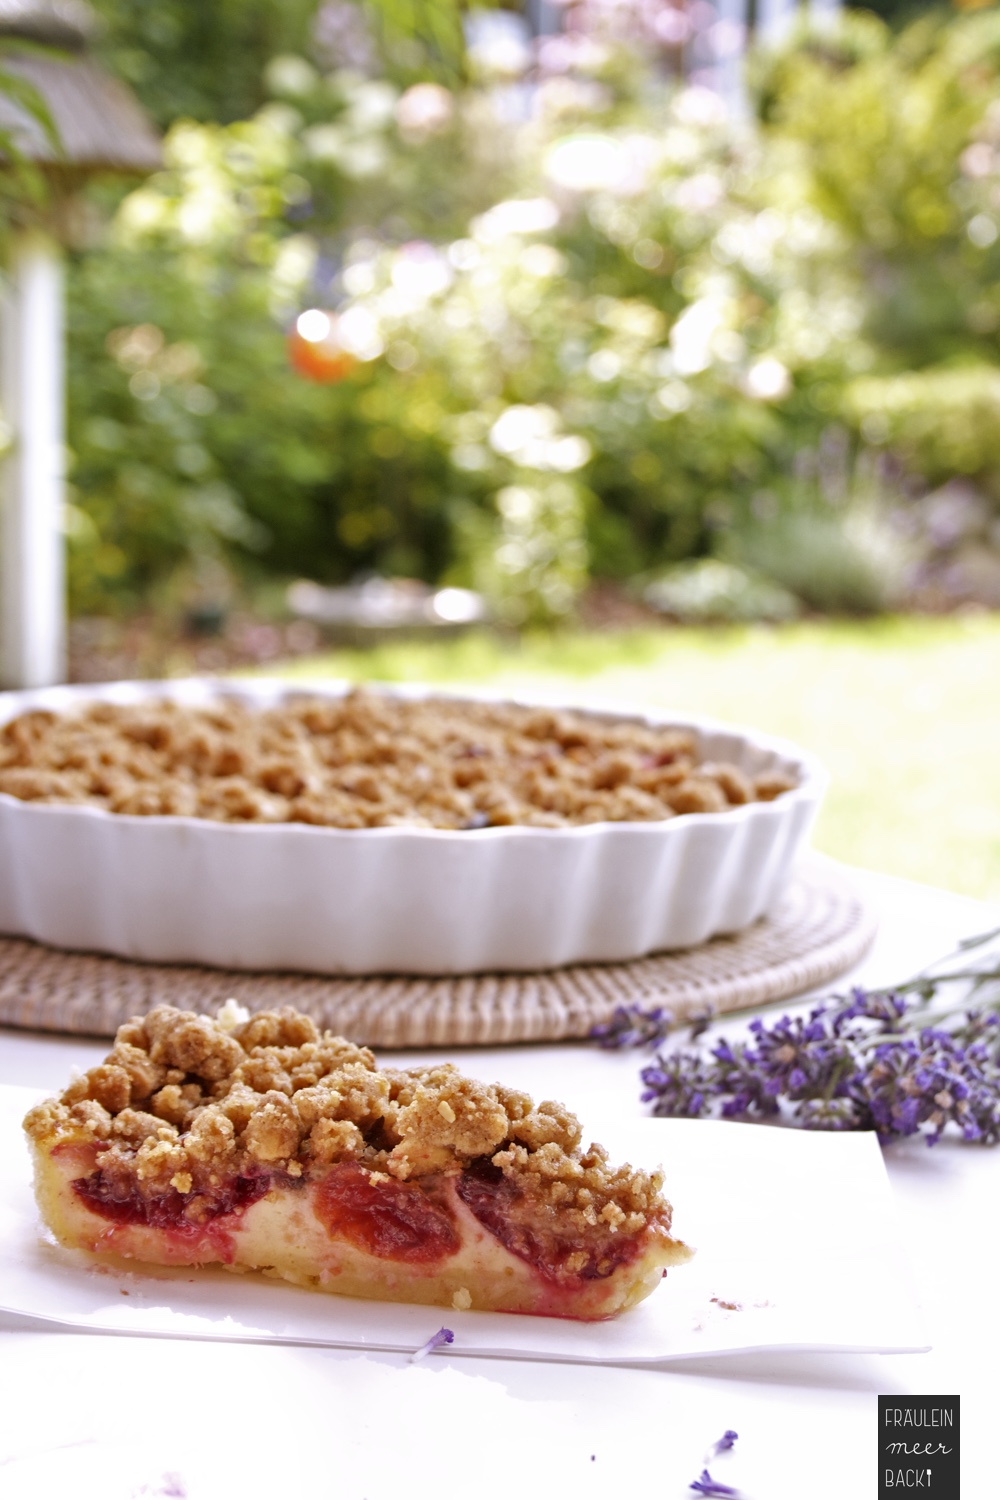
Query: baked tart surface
x,y
262,1144
369,760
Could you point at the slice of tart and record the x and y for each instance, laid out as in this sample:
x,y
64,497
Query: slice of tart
x,y
260,1143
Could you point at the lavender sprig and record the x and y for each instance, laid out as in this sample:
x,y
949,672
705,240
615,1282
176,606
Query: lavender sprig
x,y
869,1060
631,1026
436,1341
706,1485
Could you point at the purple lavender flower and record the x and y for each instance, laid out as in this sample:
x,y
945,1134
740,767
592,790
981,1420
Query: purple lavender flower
x,y
436,1341
828,1114
726,1441
874,1005
869,1060
701,1021
631,1026
706,1485
681,1085
170,1487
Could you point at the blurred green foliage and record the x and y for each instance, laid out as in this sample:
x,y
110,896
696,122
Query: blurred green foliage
x,y
24,186
208,61
203,61
896,142
585,324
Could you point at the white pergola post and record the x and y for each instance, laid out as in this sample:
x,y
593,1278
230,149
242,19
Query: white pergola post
x,y
775,19
734,14
32,394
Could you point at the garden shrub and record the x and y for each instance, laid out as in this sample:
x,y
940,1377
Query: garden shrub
x,y
708,589
581,339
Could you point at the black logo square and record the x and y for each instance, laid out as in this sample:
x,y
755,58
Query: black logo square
x,y
918,1447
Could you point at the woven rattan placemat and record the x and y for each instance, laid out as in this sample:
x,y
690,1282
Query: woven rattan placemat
x,y
821,928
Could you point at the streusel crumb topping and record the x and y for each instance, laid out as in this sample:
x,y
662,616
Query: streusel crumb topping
x,y
183,1102
368,760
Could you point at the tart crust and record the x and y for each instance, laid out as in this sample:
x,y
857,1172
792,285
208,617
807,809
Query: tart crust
x,y
260,1144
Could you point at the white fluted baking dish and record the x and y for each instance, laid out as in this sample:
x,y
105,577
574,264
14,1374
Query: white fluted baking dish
x,y
393,900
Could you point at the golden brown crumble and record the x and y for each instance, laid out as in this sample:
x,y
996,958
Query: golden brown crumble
x,y
368,760
183,1102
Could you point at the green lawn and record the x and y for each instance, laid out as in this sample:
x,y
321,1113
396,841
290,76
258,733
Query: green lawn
x,y
905,713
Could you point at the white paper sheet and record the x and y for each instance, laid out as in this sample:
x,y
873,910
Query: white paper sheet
x,y
797,1248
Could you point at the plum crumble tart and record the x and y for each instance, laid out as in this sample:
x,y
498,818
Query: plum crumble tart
x,y
260,1143
369,760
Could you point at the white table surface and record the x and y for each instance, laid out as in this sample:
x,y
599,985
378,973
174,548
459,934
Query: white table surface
x,y
112,1417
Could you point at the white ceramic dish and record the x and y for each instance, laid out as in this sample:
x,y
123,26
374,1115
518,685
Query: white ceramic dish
x,y
393,900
